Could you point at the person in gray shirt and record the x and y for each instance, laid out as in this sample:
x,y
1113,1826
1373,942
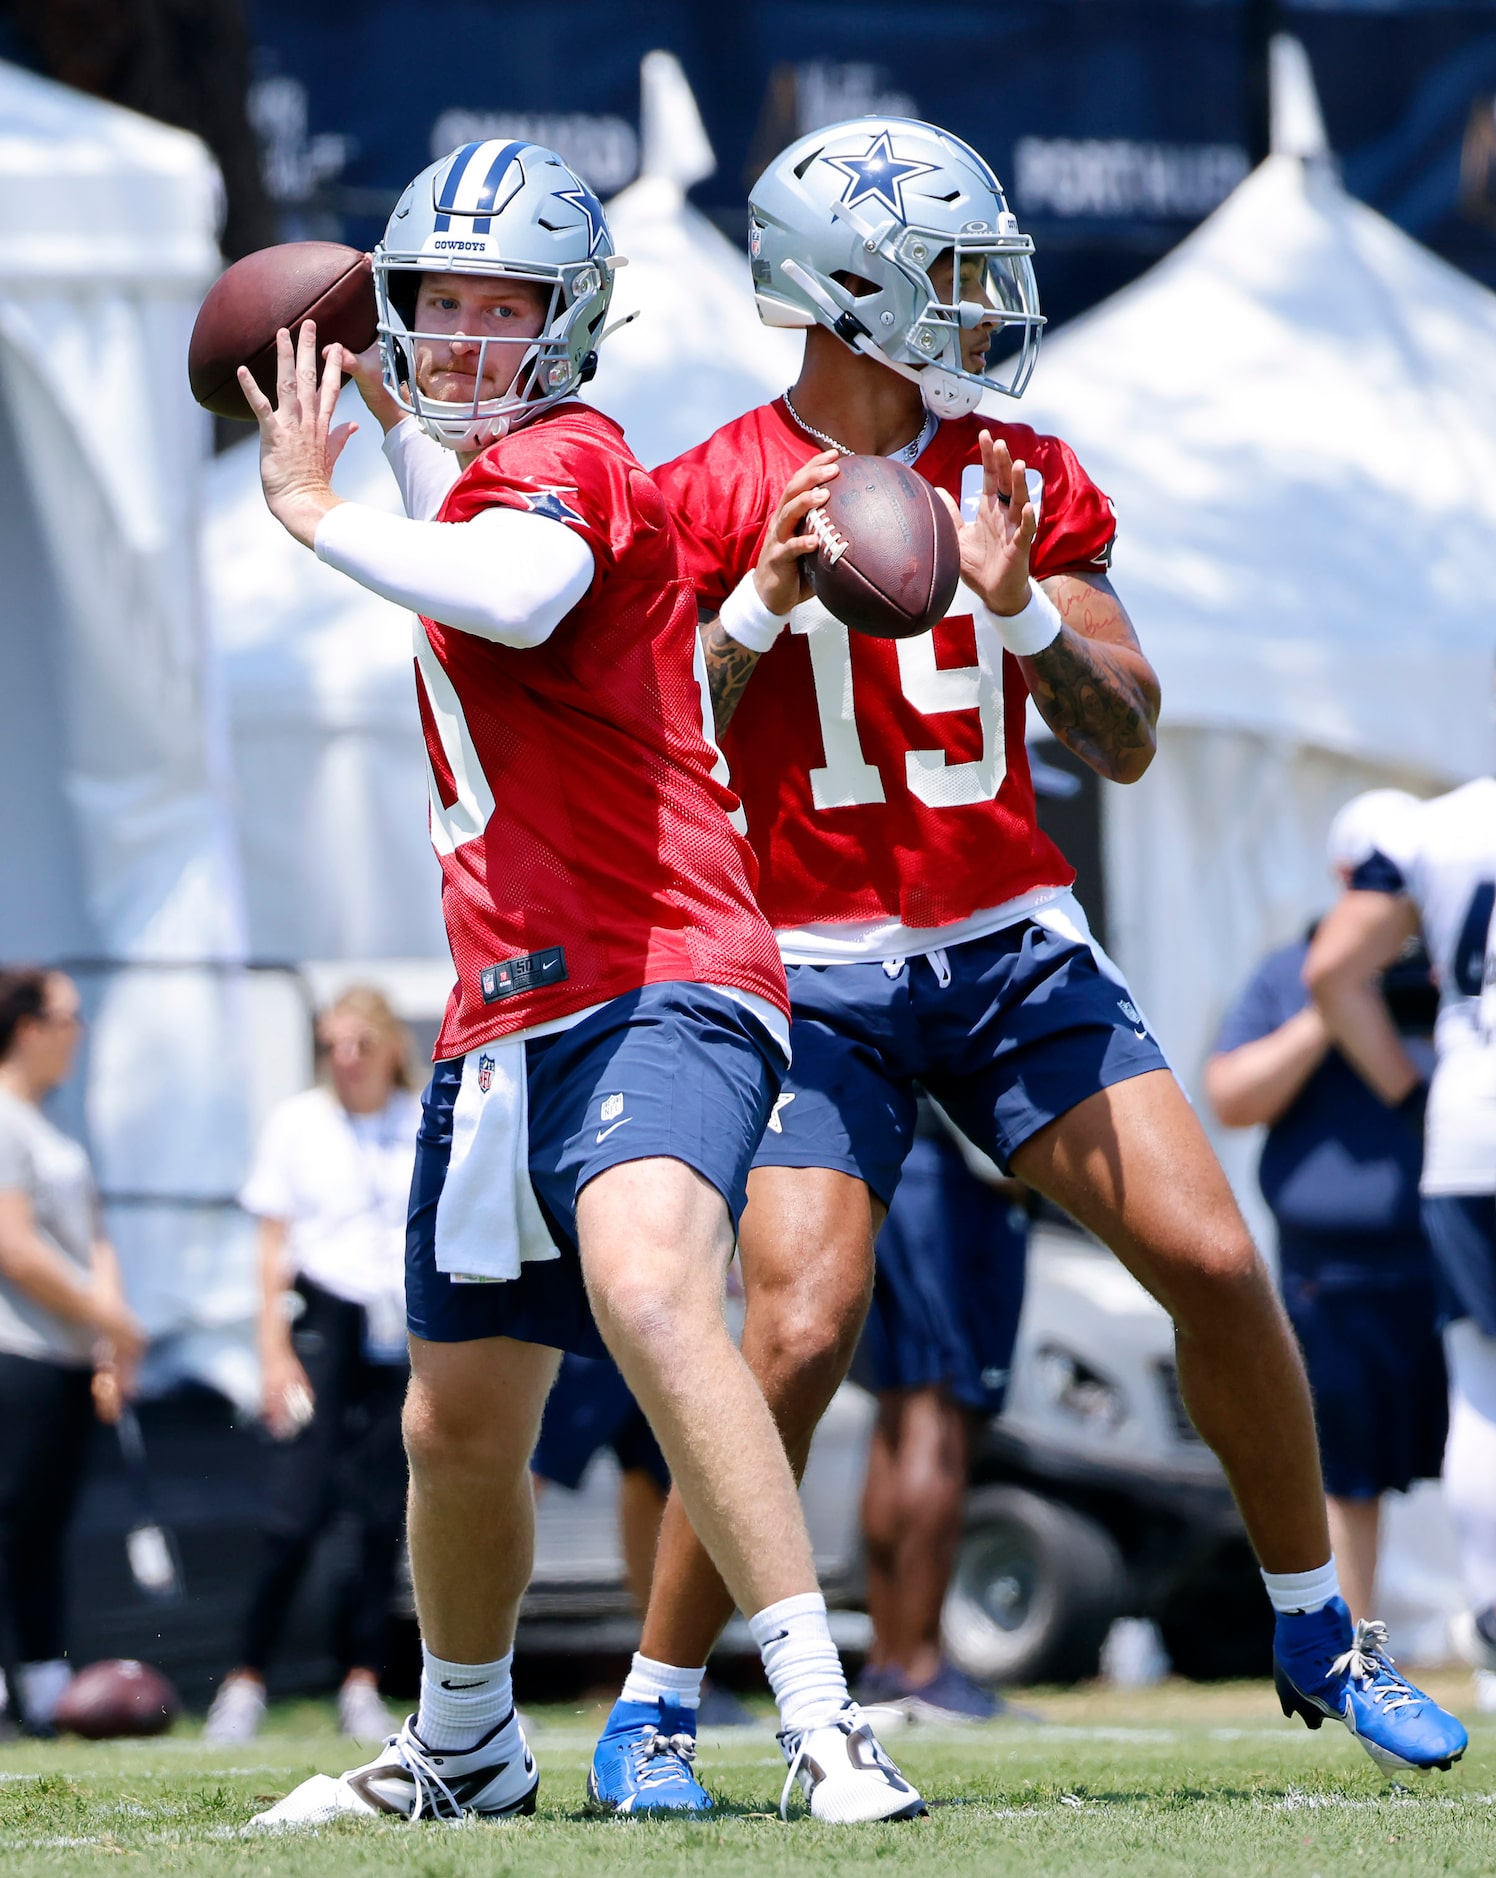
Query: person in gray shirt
x,y
69,1342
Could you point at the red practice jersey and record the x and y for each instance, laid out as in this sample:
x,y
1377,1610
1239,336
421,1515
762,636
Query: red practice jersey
x,y
882,779
584,838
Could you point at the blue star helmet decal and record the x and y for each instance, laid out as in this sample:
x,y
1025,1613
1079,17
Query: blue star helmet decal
x,y
582,198
550,504
878,173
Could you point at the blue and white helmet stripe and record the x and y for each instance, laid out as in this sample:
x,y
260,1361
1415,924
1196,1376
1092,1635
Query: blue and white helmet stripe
x,y
472,184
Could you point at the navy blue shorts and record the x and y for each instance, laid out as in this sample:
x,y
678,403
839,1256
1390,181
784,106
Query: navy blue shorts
x,y
1461,1228
1006,1032
1376,1370
589,1408
697,1075
948,1286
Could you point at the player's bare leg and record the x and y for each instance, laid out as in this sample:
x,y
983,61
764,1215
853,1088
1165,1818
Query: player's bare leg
x,y
656,1240
1355,1532
911,1519
805,1247
1132,1164
471,1420
472,1414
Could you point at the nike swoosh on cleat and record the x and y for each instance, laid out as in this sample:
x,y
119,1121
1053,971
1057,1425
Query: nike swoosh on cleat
x,y
603,1133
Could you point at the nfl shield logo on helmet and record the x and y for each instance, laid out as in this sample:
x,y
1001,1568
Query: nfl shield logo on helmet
x,y
485,1074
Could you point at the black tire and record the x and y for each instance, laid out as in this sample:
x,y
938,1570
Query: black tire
x,y
1035,1590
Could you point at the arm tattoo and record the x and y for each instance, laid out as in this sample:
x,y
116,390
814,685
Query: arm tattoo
x,y
729,666
1089,690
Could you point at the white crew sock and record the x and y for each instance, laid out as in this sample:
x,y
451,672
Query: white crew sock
x,y
800,1659
462,1702
649,1681
1306,1592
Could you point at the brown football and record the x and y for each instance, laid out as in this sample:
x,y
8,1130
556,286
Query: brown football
x,y
250,302
117,1697
888,560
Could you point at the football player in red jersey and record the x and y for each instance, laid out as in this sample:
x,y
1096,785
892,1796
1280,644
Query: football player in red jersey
x,y
926,923
618,1029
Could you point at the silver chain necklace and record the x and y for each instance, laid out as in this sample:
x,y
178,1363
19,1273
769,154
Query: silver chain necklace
x,y
910,453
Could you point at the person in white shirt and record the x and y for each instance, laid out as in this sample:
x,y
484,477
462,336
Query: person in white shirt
x,y
69,1342
329,1187
1434,870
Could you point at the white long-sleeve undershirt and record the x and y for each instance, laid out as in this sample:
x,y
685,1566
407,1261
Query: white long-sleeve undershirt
x,y
506,575
424,468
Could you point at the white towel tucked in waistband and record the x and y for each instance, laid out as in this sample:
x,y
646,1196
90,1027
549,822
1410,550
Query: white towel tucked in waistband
x,y
488,1221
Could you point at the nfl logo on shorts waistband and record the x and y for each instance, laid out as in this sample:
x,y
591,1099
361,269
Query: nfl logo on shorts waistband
x,y
612,1107
485,1074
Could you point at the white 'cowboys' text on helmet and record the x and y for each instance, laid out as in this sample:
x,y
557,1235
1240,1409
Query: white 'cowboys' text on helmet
x,y
882,198
510,211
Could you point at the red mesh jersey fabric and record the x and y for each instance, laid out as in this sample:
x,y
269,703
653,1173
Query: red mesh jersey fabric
x,y
573,800
881,779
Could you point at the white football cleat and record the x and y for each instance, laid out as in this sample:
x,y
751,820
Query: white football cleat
x,y
411,1781
845,1775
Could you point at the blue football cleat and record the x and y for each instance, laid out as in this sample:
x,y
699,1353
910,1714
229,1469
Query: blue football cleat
x,y
1322,1667
642,1763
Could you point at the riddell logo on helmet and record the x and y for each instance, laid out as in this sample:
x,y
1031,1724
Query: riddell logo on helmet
x,y
461,247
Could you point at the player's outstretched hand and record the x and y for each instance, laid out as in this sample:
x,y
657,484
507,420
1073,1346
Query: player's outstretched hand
x,y
298,444
995,547
780,575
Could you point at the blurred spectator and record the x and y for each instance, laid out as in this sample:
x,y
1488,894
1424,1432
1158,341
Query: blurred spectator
x,y
936,1351
329,1187
69,1343
1339,1172
591,1408
1433,873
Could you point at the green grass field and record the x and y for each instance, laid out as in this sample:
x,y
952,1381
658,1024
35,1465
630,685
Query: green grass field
x,y
1174,1779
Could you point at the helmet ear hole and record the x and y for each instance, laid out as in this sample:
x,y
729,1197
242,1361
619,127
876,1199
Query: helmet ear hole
x,y
404,289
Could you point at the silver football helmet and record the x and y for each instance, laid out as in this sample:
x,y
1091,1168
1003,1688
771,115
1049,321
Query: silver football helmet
x,y
883,198
505,210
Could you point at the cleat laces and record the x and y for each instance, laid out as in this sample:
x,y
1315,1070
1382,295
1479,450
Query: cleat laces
x,y
653,1752
1368,1664
425,1777
848,1720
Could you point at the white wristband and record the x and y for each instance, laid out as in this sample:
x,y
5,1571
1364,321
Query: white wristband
x,y
744,617
1030,631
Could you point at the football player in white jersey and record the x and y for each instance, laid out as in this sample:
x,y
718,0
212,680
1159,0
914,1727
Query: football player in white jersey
x,y
1434,870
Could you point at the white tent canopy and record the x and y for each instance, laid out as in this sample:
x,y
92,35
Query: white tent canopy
x,y
120,842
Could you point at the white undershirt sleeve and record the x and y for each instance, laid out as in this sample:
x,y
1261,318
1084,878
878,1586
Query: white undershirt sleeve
x,y
506,575
424,469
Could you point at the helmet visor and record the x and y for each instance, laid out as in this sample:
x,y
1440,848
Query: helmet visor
x,y
994,296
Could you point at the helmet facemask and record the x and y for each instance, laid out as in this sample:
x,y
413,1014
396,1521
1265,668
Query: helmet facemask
x,y
546,368
992,288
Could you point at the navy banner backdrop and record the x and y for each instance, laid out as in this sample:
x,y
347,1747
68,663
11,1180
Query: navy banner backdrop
x,y
1116,124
